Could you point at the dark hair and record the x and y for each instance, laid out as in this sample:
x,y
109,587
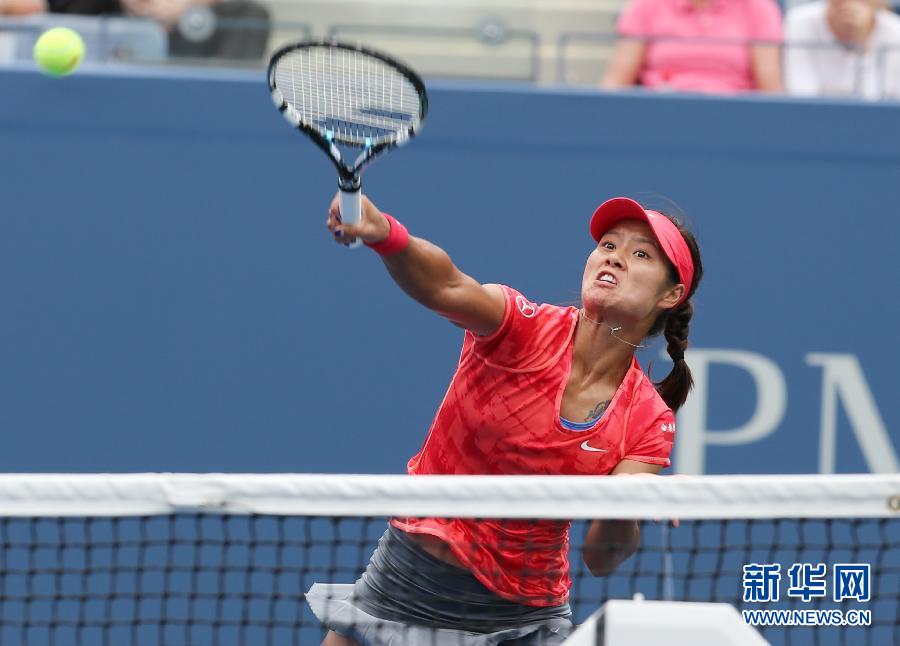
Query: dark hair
x,y
675,324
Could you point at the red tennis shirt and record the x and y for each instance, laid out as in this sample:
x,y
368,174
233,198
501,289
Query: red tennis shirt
x,y
500,416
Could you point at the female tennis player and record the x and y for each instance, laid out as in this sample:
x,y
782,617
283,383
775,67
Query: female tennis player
x,y
539,389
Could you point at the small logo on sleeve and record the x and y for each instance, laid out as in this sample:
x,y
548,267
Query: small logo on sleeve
x,y
528,309
667,427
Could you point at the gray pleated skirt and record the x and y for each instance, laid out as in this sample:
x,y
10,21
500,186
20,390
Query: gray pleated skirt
x,y
407,597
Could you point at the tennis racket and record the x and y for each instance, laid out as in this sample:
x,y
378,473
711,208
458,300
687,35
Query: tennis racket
x,y
353,102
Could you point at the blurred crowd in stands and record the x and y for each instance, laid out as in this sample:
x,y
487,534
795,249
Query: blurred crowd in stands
x,y
219,29
821,48
842,48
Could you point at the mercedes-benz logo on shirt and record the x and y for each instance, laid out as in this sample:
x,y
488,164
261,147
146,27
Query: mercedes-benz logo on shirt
x,y
528,309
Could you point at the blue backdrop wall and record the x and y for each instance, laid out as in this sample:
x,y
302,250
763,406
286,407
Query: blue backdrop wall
x,y
171,300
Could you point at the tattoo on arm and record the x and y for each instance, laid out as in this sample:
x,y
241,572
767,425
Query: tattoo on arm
x,y
597,410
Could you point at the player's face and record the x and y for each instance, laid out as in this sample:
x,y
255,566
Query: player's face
x,y
627,276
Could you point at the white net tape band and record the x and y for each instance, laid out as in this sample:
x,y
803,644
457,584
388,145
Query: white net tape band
x,y
561,497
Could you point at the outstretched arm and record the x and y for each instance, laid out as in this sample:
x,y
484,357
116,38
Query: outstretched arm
x,y
425,272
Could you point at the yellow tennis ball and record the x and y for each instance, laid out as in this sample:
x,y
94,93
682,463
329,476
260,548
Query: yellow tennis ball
x,y
59,51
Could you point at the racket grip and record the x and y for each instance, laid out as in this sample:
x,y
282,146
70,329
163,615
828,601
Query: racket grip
x,y
351,210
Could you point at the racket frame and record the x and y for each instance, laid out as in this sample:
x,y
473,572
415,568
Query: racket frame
x,y
349,181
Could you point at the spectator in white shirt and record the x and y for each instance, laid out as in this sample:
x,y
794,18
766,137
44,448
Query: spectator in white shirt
x,y
843,48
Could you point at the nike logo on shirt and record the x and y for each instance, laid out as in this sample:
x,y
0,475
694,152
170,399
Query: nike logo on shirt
x,y
588,447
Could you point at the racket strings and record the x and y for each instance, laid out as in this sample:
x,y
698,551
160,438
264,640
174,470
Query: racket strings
x,y
355,98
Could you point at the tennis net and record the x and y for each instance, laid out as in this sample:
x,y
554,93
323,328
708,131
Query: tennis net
x,y
220,560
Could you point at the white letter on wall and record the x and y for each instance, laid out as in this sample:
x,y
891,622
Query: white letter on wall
x,y
843,378
693,435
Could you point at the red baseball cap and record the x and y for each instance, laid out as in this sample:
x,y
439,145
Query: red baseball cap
x,y
667,234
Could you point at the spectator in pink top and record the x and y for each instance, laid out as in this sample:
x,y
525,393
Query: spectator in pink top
x,y
721,46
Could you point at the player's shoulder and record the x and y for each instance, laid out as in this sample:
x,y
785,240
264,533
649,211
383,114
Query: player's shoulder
x,y
534,313
531,335
648,407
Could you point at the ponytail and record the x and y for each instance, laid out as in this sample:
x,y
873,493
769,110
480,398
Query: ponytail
x,y
675,325
675,387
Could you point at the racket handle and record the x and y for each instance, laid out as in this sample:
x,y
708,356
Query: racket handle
x,y
351,210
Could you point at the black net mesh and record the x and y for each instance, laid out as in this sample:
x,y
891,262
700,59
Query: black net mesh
x,y
234,579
